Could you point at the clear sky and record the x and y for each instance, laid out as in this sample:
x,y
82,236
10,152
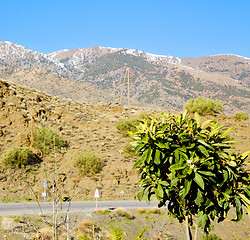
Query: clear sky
x,y
181,28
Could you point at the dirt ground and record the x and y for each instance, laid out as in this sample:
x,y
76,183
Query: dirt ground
x,y
104,223
87,126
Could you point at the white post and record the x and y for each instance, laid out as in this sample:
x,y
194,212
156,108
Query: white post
x,y
96,196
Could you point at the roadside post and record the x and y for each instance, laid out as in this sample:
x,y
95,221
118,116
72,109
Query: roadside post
x,y
44,194
96,196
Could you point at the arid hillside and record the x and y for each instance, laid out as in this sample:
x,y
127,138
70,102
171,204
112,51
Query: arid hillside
x,y
85,126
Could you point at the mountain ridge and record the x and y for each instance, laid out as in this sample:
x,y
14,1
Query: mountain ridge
x,y
165,81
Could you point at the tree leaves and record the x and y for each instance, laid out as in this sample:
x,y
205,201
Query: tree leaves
x,y
187,186
199,180
190,166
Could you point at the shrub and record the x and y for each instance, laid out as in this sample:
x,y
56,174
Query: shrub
x,y
203,106
211,237
125,126
45,138
241,116
155,210
89,163
128,149
19,157
124,213
145,115
141,210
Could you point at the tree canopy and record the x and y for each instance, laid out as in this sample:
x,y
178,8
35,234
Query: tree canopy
x,y
190,167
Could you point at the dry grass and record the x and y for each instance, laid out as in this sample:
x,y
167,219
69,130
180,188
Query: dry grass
x,y
124,213
155,210
87,223
102,211
141,210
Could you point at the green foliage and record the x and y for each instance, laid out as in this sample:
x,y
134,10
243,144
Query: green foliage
x,y
19,157
190,165
125,126
241,116
117,233
139,235
89,163
203,106
210,237
46,139
127,149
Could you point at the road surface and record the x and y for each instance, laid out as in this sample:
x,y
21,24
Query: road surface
x,y
17,209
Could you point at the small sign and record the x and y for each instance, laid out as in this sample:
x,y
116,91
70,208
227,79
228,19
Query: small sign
x,y
45,183
96,194
44,194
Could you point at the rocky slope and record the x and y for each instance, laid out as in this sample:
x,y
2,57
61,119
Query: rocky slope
x,y
86,126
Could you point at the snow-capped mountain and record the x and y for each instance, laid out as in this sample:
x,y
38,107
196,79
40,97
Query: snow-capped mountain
x,y
166,81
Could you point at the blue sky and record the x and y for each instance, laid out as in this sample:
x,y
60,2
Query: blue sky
x,y
183,28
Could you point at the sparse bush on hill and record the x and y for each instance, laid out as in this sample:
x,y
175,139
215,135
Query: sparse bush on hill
x,y
210,237
125,126
19,157
89,163
204,106
46,139
241,116
128,149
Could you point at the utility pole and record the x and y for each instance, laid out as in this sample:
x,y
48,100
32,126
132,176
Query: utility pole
x,y
126,75
32,123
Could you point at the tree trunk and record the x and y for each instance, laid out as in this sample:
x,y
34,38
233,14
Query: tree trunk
x,y
188,232
196,232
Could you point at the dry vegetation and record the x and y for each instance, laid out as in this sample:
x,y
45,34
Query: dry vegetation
x,y
85,127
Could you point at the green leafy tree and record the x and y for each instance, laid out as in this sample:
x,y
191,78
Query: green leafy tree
x,y
190,168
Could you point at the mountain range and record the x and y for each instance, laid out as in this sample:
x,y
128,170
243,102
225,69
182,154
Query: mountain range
x,y
97,73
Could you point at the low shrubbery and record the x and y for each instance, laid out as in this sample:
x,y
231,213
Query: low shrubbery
x,y
89,163
204,106
124,213
125,126
241,116
130,125
211,237
127,148
19,157
46,140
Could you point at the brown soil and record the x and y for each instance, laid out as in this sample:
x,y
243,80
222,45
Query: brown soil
x,y
159,226
85,126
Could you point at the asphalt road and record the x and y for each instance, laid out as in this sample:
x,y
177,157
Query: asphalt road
x,y
17,209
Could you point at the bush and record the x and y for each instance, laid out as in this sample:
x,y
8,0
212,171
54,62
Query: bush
x,y
124,213
125,126
89,163
19,157
128,149
204,106
44,140
241,116
211,237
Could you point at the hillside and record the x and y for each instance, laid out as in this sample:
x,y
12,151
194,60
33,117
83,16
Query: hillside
x,y
232,66
85,126
163,81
